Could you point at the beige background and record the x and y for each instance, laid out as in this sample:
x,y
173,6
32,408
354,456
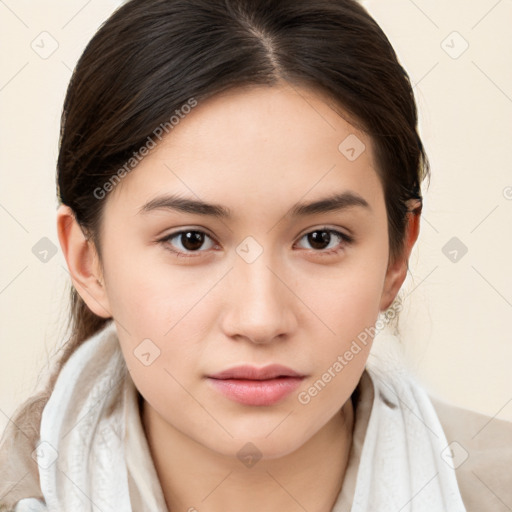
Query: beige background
x,y
455,324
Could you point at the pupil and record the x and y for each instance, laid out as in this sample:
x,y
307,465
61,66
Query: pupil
x,y
319,239
192,240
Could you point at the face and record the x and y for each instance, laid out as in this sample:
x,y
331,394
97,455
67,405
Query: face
x,y
287,267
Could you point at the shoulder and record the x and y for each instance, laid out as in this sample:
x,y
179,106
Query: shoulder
x,y
19,472
480,451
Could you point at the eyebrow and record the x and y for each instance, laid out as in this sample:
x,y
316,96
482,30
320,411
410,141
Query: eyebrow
x,y
335,202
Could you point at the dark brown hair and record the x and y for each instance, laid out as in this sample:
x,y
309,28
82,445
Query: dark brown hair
x,y
151,56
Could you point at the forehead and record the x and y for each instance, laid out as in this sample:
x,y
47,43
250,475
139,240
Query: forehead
x,y
265,143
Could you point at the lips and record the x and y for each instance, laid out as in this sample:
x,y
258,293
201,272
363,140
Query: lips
x,y
247,372
249,385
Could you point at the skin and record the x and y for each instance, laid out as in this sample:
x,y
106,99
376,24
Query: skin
x,y
257,151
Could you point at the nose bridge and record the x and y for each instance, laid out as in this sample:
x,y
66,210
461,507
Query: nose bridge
x,y
260,307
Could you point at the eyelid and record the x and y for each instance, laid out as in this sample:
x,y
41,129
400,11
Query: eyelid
x,y
165,240
187,229
346,240
344,233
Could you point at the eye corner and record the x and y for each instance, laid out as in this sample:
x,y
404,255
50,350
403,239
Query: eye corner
x,y
165,241
345,240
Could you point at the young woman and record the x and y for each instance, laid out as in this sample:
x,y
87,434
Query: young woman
x,y
240,193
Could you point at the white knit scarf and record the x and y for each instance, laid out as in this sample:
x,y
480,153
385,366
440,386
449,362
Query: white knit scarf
x,y
83,465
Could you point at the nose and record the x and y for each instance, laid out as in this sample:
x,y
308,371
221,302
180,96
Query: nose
x,y
259,307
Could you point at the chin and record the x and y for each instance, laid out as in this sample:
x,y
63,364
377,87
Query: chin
x,y
252,444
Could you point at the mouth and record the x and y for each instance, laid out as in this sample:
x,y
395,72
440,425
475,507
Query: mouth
x,y
256,386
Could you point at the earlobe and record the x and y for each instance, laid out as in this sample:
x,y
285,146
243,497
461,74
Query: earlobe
x,y
83,262
397,271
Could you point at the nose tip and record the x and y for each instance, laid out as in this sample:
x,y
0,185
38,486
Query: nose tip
x,y
261,308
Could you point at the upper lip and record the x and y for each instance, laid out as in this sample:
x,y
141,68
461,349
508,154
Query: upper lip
x,y
248,372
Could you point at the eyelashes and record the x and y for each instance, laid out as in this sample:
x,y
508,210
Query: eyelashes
x,y
197,237
331,233
191,240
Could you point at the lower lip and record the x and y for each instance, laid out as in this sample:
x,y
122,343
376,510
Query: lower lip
x,y
257,392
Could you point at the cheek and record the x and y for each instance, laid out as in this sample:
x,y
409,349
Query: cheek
x,y
347,298
350,311
164,316
348,305
162,366
149,292
350,314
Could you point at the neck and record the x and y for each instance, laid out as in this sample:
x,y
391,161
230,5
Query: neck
x,y
195,478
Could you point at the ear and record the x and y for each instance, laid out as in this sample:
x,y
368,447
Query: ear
x,y
397,270
83,262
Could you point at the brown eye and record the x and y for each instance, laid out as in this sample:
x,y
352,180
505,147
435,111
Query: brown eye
x,y
192,240
319,239
188,241
326,240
